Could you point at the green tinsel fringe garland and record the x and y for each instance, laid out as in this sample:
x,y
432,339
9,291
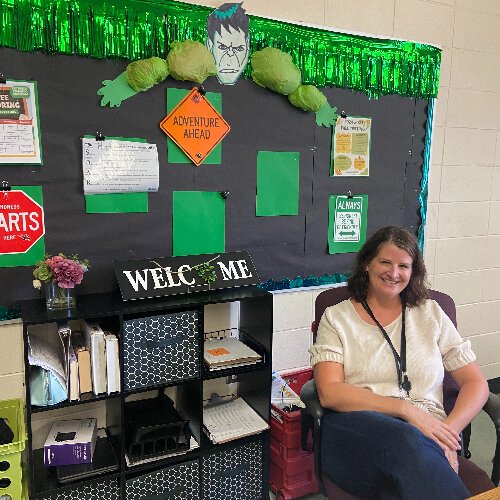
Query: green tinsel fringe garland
x,y
138,29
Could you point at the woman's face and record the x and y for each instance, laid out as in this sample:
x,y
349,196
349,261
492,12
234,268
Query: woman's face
x,y
389,272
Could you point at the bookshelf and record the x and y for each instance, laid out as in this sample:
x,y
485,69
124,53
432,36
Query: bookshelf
x,y
234,470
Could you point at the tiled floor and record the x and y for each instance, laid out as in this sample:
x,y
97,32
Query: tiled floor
x,y
482,447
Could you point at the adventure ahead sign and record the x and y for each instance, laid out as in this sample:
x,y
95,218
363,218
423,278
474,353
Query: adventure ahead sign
x,y
141,279
195,126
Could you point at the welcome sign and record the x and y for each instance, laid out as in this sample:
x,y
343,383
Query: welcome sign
x,y
141,279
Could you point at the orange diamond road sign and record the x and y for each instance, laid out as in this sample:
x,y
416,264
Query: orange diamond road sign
x,y
195,126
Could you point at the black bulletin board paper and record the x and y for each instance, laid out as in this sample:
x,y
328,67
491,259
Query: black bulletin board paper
x,y
261,120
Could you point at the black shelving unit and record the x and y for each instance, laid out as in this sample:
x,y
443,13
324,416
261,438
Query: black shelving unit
x,y
232,471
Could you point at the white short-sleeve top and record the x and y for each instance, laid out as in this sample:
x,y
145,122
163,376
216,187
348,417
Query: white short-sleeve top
x,y
432,346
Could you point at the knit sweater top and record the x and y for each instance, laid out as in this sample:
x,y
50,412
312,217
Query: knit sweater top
x,y
432,346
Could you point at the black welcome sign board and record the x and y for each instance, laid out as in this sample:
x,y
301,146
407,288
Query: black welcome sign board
x,y
142,279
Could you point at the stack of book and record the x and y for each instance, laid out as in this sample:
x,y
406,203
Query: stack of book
x,y
223,352
92,360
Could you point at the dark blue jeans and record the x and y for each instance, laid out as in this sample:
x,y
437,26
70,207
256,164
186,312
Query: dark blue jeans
x,y
374,456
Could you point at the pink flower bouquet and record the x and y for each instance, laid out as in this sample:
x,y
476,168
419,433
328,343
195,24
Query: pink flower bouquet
x,y
66,272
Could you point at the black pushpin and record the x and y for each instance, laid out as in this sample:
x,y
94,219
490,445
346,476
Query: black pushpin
x,y
343,114
99,136
224,194
349,195
201,90
5,186
2,79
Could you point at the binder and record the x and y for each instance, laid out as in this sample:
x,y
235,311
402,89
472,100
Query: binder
x,y
74,384
112,362
227,421
94,338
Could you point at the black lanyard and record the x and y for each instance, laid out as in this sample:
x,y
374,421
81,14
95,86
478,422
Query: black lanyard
x,y
403,381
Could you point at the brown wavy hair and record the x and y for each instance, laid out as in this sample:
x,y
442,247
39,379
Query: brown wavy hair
x,y
416,290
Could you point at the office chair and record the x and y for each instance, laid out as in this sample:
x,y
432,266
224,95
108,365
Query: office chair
x,y
475,479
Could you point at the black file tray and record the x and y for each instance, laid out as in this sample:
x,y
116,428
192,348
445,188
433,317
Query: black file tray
x,y
154,428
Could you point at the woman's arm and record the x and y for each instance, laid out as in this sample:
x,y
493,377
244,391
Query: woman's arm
x,y
339,396
471,398
336,395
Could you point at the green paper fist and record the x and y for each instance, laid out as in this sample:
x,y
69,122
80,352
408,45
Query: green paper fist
x,y
326,116
115,91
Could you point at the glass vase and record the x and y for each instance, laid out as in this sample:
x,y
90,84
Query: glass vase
x,y
59,298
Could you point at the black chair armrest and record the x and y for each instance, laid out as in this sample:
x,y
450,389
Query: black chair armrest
x,y
309,397
311,421
492,408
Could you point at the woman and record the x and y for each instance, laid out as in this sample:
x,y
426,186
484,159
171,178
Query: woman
x,y
379,361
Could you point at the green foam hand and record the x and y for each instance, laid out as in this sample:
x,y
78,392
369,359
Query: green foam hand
x,y
115,91
326,116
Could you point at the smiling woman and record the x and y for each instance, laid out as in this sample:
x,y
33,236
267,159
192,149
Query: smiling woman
x,y
379,362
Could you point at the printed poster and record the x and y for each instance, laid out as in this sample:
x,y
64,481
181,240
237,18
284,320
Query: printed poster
x,y
19,127
347,223
119,165
351,147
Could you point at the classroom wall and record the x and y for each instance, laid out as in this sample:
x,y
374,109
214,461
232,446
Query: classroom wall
x,y
462,250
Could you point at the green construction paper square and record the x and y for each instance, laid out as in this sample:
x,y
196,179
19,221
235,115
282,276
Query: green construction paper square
x,y
174,152
37,251
277,183
116,203
198,223
352,219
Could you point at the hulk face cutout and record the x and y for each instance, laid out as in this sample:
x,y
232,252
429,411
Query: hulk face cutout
x,y
228,41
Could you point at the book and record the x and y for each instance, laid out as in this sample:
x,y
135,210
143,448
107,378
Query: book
x,y
227,352
104,460
74,384
83,356
112,362
232,420
70,442
94,339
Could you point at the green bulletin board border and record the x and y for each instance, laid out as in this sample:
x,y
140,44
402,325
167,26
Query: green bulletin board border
x,y
138,29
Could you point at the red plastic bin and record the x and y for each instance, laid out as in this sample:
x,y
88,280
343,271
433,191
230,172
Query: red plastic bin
x,y
291,468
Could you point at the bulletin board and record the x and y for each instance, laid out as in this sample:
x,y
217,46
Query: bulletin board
x,y
260,120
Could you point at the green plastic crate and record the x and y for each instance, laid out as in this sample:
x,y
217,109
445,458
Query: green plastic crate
x,y
10,454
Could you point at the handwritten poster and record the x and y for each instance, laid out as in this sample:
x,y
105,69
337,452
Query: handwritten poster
x,y
347,223
119,165
19,127
351,147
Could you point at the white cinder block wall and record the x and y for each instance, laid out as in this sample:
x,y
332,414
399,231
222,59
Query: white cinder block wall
x,y
463,233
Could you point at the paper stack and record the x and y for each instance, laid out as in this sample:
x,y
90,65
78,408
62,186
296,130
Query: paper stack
x,y
227,421
223,353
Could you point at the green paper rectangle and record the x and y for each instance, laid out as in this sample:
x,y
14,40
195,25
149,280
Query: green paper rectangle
x,y
174,152
277,183
37,251
198,223
347,215
117,203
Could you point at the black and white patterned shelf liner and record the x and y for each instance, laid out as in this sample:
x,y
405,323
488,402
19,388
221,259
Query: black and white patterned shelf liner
x,y
160,349
107,489
233,474
179,482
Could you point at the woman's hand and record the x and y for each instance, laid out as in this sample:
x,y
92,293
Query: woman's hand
x,y
452,457
440,432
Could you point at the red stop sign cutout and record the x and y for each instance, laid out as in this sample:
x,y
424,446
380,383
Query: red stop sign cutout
x,y
21,222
